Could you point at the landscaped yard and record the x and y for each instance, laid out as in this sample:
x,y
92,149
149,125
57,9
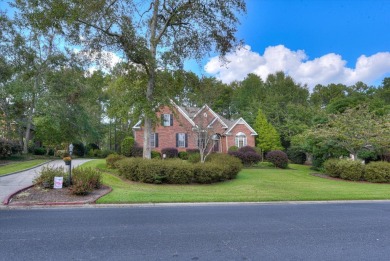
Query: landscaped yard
x,y
18,166
251,185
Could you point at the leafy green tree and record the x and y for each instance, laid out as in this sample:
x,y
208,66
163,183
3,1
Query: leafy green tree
x,y
268,138
154,34
353,131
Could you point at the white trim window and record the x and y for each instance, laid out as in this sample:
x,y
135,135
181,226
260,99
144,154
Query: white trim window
x,y
154,140
167,120
181,140
241,140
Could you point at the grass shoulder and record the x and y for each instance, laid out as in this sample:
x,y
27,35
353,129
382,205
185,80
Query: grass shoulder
x,y
15,166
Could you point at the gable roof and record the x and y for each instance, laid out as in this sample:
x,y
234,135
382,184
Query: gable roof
x,y
191,112
240,121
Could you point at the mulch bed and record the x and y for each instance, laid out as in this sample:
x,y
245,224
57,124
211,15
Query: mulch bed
x,y
37,195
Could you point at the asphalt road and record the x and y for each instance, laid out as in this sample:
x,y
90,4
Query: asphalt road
x,y
352,231
12,183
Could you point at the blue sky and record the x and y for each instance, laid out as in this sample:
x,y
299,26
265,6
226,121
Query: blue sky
x,y
314,41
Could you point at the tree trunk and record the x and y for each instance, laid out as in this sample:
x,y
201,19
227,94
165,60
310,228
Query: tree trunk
x,y
148,124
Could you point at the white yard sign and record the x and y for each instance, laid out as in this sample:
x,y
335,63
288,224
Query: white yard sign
x,y
58,182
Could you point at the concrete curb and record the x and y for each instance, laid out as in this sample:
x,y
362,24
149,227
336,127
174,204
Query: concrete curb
x,y
16,172
6,201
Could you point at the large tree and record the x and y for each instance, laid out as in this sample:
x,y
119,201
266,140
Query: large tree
x,y
151,34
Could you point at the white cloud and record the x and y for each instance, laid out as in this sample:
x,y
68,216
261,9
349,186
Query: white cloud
x,y
103,60
329,68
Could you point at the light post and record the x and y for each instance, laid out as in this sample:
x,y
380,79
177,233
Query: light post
x,y
70,164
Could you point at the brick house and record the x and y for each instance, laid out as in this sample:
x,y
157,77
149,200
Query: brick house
x,y
177,125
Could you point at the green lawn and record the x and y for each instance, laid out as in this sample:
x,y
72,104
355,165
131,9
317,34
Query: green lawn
x,y
17,166
251,185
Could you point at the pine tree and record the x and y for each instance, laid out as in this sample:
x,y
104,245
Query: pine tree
x,y
268,138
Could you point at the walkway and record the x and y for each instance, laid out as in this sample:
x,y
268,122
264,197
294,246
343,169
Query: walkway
x,y
12,183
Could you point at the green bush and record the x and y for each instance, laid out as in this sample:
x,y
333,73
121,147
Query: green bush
x,y
297,155
156,155
126,146
128,168
178,172
183,155
85,180
378,172
105,152
47,174
331,168
351,170
233,149
112,159
39,151
194,157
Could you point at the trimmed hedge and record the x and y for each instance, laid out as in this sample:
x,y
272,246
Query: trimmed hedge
x,y
183,155
278,158
378,172
112,159
155,154
331,168
345,169
175,171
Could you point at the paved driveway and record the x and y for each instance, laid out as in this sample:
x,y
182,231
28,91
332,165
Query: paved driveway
x,y
12,183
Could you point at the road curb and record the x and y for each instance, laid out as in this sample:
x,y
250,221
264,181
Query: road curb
x,y
8,198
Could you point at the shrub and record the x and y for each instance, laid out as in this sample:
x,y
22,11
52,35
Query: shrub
x,y
332,168
128,168
47,175
170,152
183,155
246,149
92,146
85,180
378,172
192,151
247,155
94,153
297,155
61,153
156,155
126,146
232,164
78,149
104,153
39,151
112,159
137,151
278,158
8,147
176,171
351,170
194,157
233,148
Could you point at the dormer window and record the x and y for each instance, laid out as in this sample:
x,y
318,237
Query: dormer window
x,y
167,119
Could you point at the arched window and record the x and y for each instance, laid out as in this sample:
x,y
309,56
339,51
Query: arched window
x,y
241,139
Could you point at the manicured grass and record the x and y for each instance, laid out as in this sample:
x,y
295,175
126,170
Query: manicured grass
x,y
251,185
18,166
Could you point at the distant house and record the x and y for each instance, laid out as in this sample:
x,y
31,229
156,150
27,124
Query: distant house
x,y
178,124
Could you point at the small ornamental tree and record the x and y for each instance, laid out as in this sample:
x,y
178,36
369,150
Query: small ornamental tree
x,y
268,138
127,146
